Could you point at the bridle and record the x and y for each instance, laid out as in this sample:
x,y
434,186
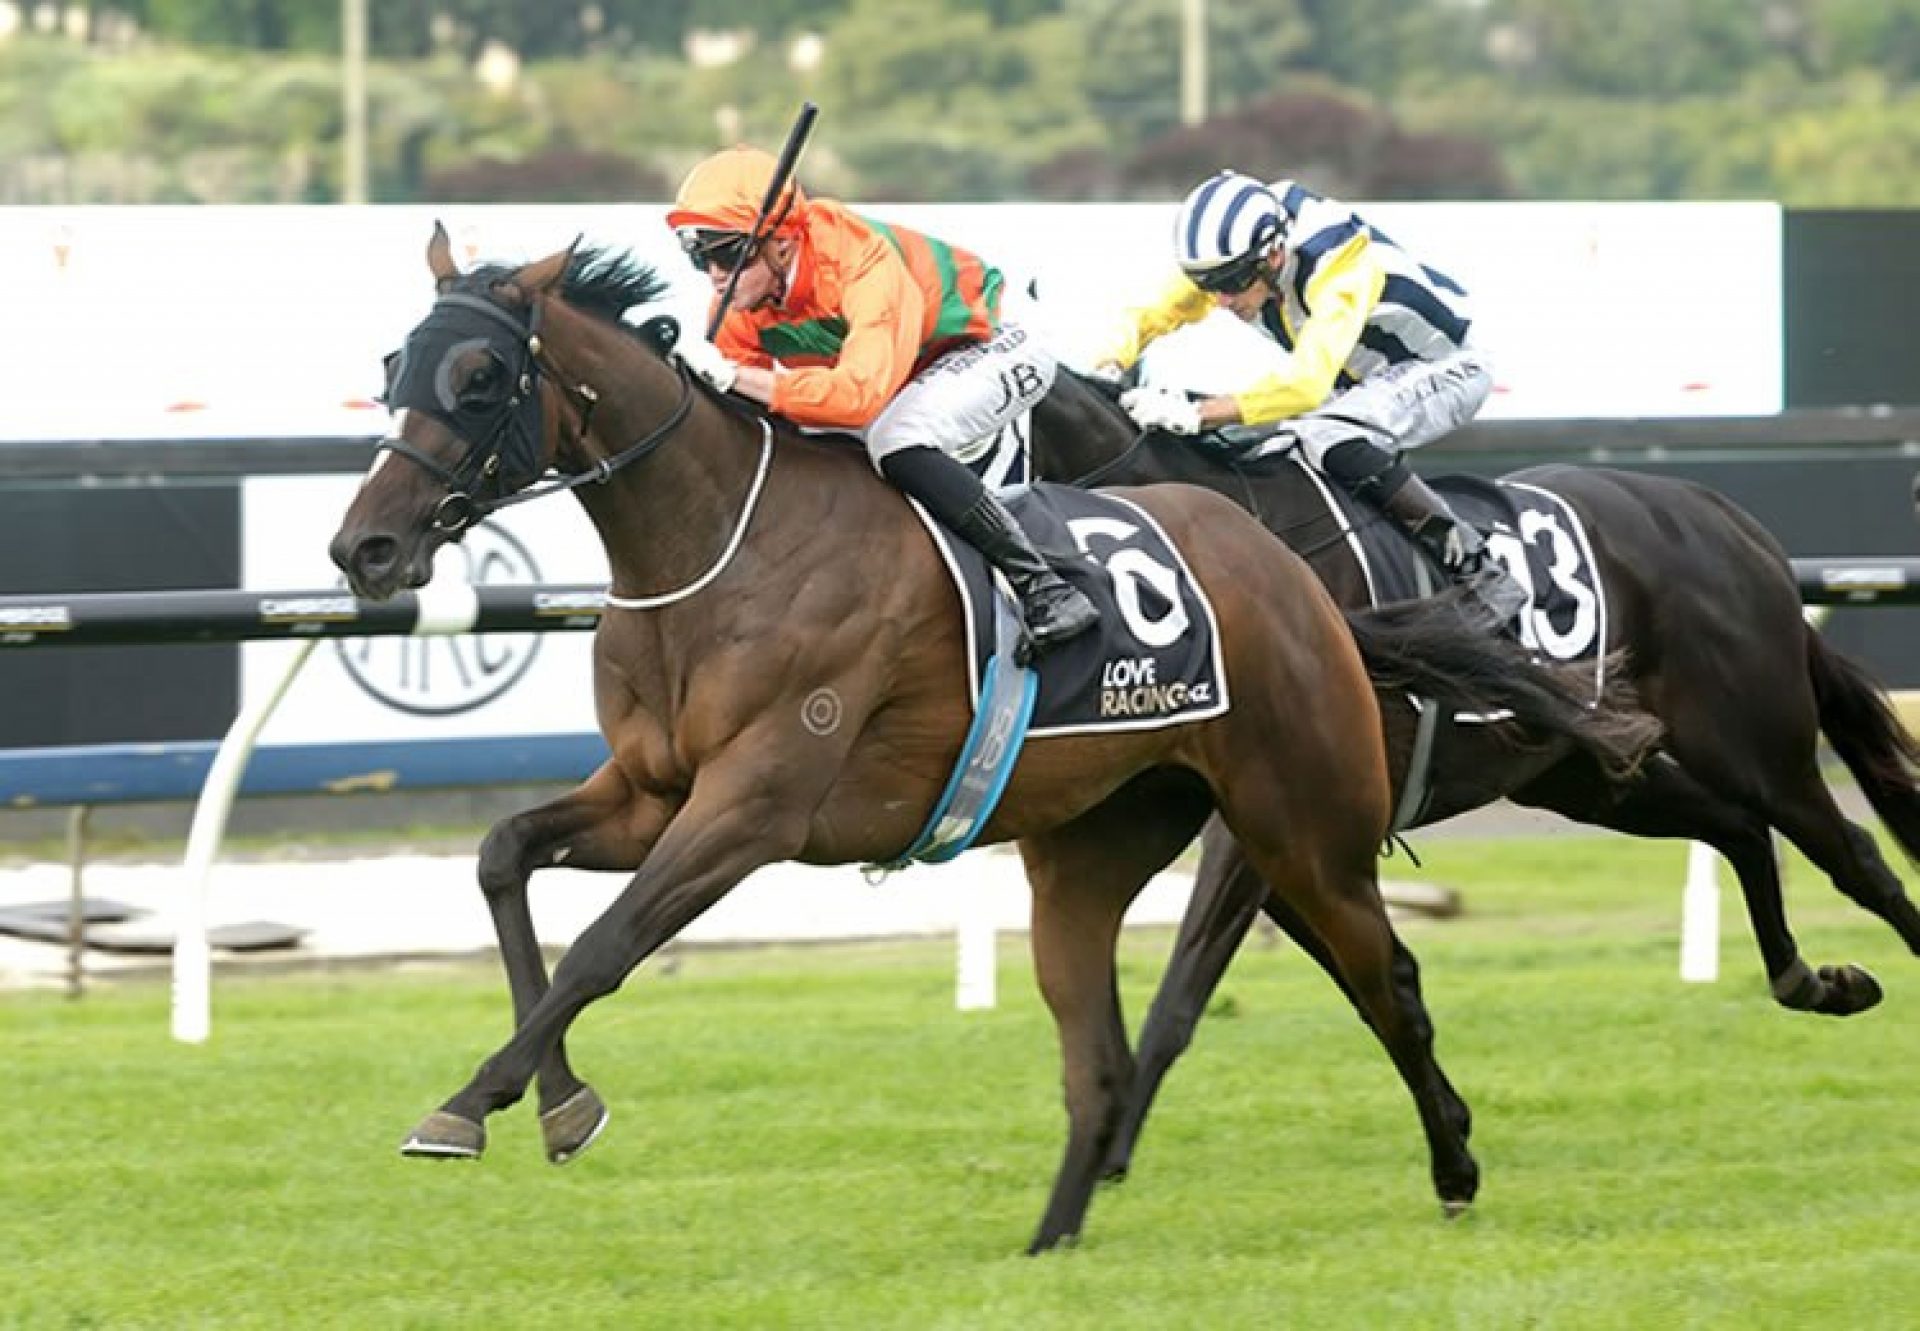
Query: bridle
x,y
507,424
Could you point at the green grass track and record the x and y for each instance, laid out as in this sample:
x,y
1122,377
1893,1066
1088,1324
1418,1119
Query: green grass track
x,y
815,1138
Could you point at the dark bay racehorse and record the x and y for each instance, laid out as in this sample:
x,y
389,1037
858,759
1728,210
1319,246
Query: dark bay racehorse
x,y
786,682
1703,604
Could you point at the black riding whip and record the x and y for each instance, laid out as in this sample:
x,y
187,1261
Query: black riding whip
x,y
767,221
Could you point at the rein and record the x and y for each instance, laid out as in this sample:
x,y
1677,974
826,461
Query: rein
x,y
460,510
1111,465
602,471
1101,472
1249,497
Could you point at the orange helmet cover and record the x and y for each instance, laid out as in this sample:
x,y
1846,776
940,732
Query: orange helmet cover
x,y
726,190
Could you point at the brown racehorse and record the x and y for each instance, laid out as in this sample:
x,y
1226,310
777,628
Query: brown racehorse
x,y
794,689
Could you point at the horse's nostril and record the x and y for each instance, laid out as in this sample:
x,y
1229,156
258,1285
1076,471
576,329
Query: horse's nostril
x,y
376,555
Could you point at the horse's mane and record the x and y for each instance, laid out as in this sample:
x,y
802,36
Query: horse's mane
x,y
600,281
607,282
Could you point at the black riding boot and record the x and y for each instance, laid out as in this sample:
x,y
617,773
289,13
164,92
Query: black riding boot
x,y
1457,547
1052,608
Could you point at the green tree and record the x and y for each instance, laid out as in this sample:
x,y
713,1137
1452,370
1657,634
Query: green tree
x,y
1851,34
1133,57
947,105
1383,45
1633,48
268,25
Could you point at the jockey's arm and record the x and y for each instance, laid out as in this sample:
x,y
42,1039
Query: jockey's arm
x,y
1182,303
883,311
1341,296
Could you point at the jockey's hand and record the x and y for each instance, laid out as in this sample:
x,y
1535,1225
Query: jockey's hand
x,y
1162,409
1108,373
705,360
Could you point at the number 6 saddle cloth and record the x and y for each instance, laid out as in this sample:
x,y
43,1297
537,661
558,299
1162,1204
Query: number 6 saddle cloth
x,y
1154,659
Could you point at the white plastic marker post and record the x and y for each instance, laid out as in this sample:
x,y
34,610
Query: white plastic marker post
x,y
976,968
443,608
1700,916
192,958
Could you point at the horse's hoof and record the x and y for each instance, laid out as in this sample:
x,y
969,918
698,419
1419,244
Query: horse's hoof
x,y
1849,990
1832,991
1454,1210
444,1136
1044,1243
571,1126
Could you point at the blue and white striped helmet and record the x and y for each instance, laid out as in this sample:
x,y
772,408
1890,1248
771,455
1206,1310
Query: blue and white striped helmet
x,y
1228,219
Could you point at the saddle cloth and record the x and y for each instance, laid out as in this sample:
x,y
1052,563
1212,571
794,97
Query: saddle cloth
x,y
1530,530
1153,661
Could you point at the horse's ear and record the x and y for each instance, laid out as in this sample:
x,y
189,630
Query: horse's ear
x,y
440,256
544,274
661,332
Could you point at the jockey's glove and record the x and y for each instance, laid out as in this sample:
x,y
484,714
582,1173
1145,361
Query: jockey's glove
x,y
706,360
1155,408
1107,372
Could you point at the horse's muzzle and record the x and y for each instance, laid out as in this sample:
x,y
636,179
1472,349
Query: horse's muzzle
x,y
371,562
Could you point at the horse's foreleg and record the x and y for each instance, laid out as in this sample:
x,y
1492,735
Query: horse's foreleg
x,y
725,830
603,824
1227,894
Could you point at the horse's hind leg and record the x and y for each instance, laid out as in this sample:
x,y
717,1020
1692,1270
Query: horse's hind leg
x,y
1666,800
1806,813
598,825
1083,876
1325,872
1746,725
1227,895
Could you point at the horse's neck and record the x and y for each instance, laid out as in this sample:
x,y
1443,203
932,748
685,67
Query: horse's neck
x,y
1075,433
669,517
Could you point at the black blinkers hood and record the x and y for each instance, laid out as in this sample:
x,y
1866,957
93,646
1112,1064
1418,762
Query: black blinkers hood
x,y
501,427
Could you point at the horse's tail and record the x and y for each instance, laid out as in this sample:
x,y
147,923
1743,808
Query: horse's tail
x,y
1428,649
1858,719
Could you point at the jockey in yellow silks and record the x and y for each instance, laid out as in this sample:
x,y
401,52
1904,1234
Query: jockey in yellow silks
x,y
1379,354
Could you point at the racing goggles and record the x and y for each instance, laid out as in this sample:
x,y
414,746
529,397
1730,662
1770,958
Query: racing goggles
x,y
711,247
1232,277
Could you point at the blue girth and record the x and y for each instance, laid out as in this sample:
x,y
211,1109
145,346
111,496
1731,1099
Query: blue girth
x,y
986,759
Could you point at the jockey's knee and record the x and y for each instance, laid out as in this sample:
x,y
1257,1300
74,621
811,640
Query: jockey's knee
x,y
1365,470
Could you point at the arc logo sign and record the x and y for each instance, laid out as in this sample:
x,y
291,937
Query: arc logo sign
x,y
443,676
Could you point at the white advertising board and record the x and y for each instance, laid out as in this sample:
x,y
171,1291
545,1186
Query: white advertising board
x,y
263,322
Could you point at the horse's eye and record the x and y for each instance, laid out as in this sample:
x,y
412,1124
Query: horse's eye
x,y
483,385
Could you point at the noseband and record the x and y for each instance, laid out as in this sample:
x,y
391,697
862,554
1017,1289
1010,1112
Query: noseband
x,y
507,425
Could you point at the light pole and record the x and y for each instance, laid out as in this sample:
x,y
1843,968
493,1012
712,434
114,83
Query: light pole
x,y
353,85
1193,61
